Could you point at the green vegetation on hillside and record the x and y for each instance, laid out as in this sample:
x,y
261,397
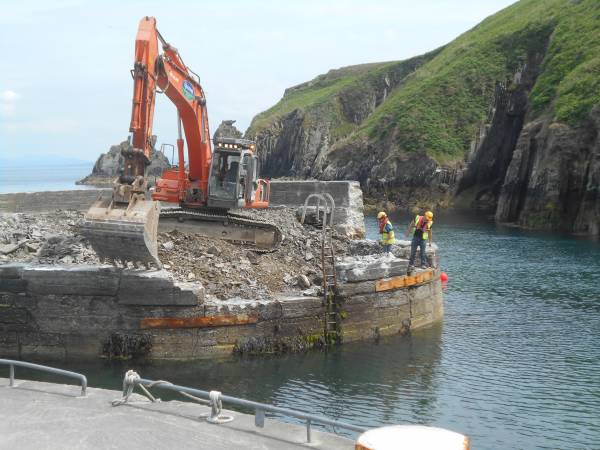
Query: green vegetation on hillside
x,y
312,93
323,90
439,107
571,72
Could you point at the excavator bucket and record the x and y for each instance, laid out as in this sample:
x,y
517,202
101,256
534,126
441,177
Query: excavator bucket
x,y
124,234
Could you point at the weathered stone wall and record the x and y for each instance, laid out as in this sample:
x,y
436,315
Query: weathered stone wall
x,y
88,312
78,200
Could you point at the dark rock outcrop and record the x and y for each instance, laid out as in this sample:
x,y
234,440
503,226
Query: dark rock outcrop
x,y
535,173
227,129
108,165
492,150
553,180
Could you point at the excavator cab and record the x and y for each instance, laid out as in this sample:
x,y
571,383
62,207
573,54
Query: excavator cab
x,y
233,179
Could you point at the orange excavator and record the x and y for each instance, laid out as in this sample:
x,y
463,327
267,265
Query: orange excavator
x,y
124,227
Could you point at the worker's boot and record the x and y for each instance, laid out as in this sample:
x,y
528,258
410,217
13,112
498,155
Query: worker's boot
x,y
410,270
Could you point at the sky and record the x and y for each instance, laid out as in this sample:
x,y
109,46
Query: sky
x,y
65,86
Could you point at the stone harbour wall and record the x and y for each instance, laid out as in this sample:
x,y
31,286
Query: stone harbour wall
x,y
79,200
100,311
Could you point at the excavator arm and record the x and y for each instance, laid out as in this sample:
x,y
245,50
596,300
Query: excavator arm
x,y
167,72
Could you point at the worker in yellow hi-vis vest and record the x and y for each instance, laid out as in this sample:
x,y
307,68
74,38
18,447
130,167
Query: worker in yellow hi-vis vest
x,y
386,232
421,236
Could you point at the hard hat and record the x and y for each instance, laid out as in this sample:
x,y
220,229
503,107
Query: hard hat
x,y
381,215
429,215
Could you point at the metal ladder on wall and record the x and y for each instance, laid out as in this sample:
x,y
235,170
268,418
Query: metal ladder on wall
x,y
332,330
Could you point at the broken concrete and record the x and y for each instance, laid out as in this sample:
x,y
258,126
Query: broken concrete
x,y
348,215
354,269
156,288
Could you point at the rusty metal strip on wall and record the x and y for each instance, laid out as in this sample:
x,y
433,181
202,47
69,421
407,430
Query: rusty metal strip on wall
x,y
196,322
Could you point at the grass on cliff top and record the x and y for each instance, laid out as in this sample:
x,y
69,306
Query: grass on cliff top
x,y
439,110
315,93
570,79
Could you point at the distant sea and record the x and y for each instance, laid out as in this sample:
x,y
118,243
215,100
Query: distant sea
x,y
18,176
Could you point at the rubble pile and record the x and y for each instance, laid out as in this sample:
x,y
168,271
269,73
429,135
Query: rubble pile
x,y
230,270
44,238
226,270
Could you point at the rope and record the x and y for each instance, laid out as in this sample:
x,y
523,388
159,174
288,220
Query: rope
x,y
128,384
132,379
216,408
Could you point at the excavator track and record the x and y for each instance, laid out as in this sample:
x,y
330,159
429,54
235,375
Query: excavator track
x,y
265,237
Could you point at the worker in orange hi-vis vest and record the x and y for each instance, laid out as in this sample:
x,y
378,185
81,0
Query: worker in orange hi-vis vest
x,y
421,236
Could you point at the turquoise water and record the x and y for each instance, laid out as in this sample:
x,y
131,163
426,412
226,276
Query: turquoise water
x,y
38,176
515,363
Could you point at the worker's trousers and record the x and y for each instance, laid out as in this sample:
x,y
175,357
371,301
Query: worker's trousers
x,y
418,243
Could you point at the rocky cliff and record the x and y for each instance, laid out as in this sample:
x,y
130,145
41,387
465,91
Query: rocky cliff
x,y
227,129
553,179
503,119
296,135
108,165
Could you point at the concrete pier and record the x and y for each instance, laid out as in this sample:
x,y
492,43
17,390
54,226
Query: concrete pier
x,y
38,415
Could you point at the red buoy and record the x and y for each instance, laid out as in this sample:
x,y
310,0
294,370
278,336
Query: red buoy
x,y
443,277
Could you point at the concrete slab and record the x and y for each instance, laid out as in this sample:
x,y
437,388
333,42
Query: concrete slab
x,y
37,415
77,280
369,268
155,288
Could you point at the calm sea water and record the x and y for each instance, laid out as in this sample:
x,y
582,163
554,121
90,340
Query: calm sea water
x,y
515,363
19,177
